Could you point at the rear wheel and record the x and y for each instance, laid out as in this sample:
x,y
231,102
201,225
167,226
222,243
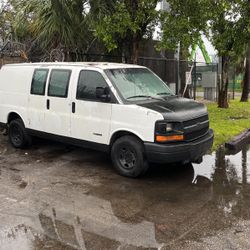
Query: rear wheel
x,y
18,135
128,156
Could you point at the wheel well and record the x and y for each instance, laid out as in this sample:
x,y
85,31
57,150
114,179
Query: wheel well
x,y
119,134
13,116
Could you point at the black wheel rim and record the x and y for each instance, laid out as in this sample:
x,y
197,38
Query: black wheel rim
x,y
127,158
16,135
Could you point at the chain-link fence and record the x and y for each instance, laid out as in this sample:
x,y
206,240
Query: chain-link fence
x,y
196,80
191,79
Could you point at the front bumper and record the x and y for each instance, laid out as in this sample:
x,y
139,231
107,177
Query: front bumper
x,y
179,152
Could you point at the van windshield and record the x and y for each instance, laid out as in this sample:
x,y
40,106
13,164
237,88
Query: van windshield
x,y
138,84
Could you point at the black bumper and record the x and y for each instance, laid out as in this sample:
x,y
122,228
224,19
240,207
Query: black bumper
x,y
181,152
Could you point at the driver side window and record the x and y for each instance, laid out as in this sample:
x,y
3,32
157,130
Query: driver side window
x,y
88,81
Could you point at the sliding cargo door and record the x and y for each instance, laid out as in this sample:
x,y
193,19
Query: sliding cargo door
x,y
37,100
58,103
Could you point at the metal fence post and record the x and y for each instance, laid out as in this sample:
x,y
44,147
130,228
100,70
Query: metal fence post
x,y
195,78
234,84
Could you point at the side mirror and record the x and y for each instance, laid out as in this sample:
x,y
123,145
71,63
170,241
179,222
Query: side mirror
x,y
103,94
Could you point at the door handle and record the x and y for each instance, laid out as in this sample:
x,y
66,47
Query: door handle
x,y
48,104
73,107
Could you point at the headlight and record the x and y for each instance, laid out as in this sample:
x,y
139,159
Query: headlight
x,y
162,127
169,127
168,131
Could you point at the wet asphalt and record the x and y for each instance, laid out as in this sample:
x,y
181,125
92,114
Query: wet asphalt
x,y
55,196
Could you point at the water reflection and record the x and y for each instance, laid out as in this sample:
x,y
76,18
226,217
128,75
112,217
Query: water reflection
x,y
229,176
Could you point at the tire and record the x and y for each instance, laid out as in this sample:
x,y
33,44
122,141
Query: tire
x,y
18,135
128,157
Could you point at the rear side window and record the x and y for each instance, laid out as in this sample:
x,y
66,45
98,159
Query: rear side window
x,y
39,81
59,83
88,82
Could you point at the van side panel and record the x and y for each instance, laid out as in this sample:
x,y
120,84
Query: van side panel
x,y
134,119
14,91
15,84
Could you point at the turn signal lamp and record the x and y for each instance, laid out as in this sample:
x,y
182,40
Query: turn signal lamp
x,y
166,138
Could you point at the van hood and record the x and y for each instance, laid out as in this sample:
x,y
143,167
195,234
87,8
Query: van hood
x,y
176,108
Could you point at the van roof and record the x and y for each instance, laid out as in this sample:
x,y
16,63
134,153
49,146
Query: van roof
x,y
101,65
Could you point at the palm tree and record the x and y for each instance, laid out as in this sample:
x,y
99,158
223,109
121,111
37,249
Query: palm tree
x,y
56,23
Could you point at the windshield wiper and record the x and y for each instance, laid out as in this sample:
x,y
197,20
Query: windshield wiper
x,y
145,96
164,93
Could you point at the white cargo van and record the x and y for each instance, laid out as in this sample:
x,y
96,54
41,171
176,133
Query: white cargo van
x,y
125,110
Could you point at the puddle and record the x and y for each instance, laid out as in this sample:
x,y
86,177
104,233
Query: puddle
x,y
229,175
235,166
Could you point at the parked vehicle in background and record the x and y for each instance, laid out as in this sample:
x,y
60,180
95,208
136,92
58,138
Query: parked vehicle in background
x,y
125,110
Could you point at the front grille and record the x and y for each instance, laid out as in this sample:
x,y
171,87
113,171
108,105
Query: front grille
x,y
195,134
195,121
195,128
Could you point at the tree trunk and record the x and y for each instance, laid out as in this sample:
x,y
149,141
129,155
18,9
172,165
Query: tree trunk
x,y
135,49
183,68
223,84
246,80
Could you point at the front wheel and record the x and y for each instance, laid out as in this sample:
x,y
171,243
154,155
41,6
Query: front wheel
x,y
128,157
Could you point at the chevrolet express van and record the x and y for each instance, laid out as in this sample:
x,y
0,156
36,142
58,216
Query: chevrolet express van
x,y
125,110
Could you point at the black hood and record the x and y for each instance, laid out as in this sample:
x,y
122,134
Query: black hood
x,y
176,108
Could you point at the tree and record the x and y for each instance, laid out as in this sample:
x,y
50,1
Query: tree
x,y
245,29
220,20
14,34
6,20
229,36
126,24
246,80
54,24
182,26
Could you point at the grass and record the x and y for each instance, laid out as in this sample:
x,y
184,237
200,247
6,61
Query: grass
x,y
230,122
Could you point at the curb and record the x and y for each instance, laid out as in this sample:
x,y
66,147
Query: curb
x,y
239,141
